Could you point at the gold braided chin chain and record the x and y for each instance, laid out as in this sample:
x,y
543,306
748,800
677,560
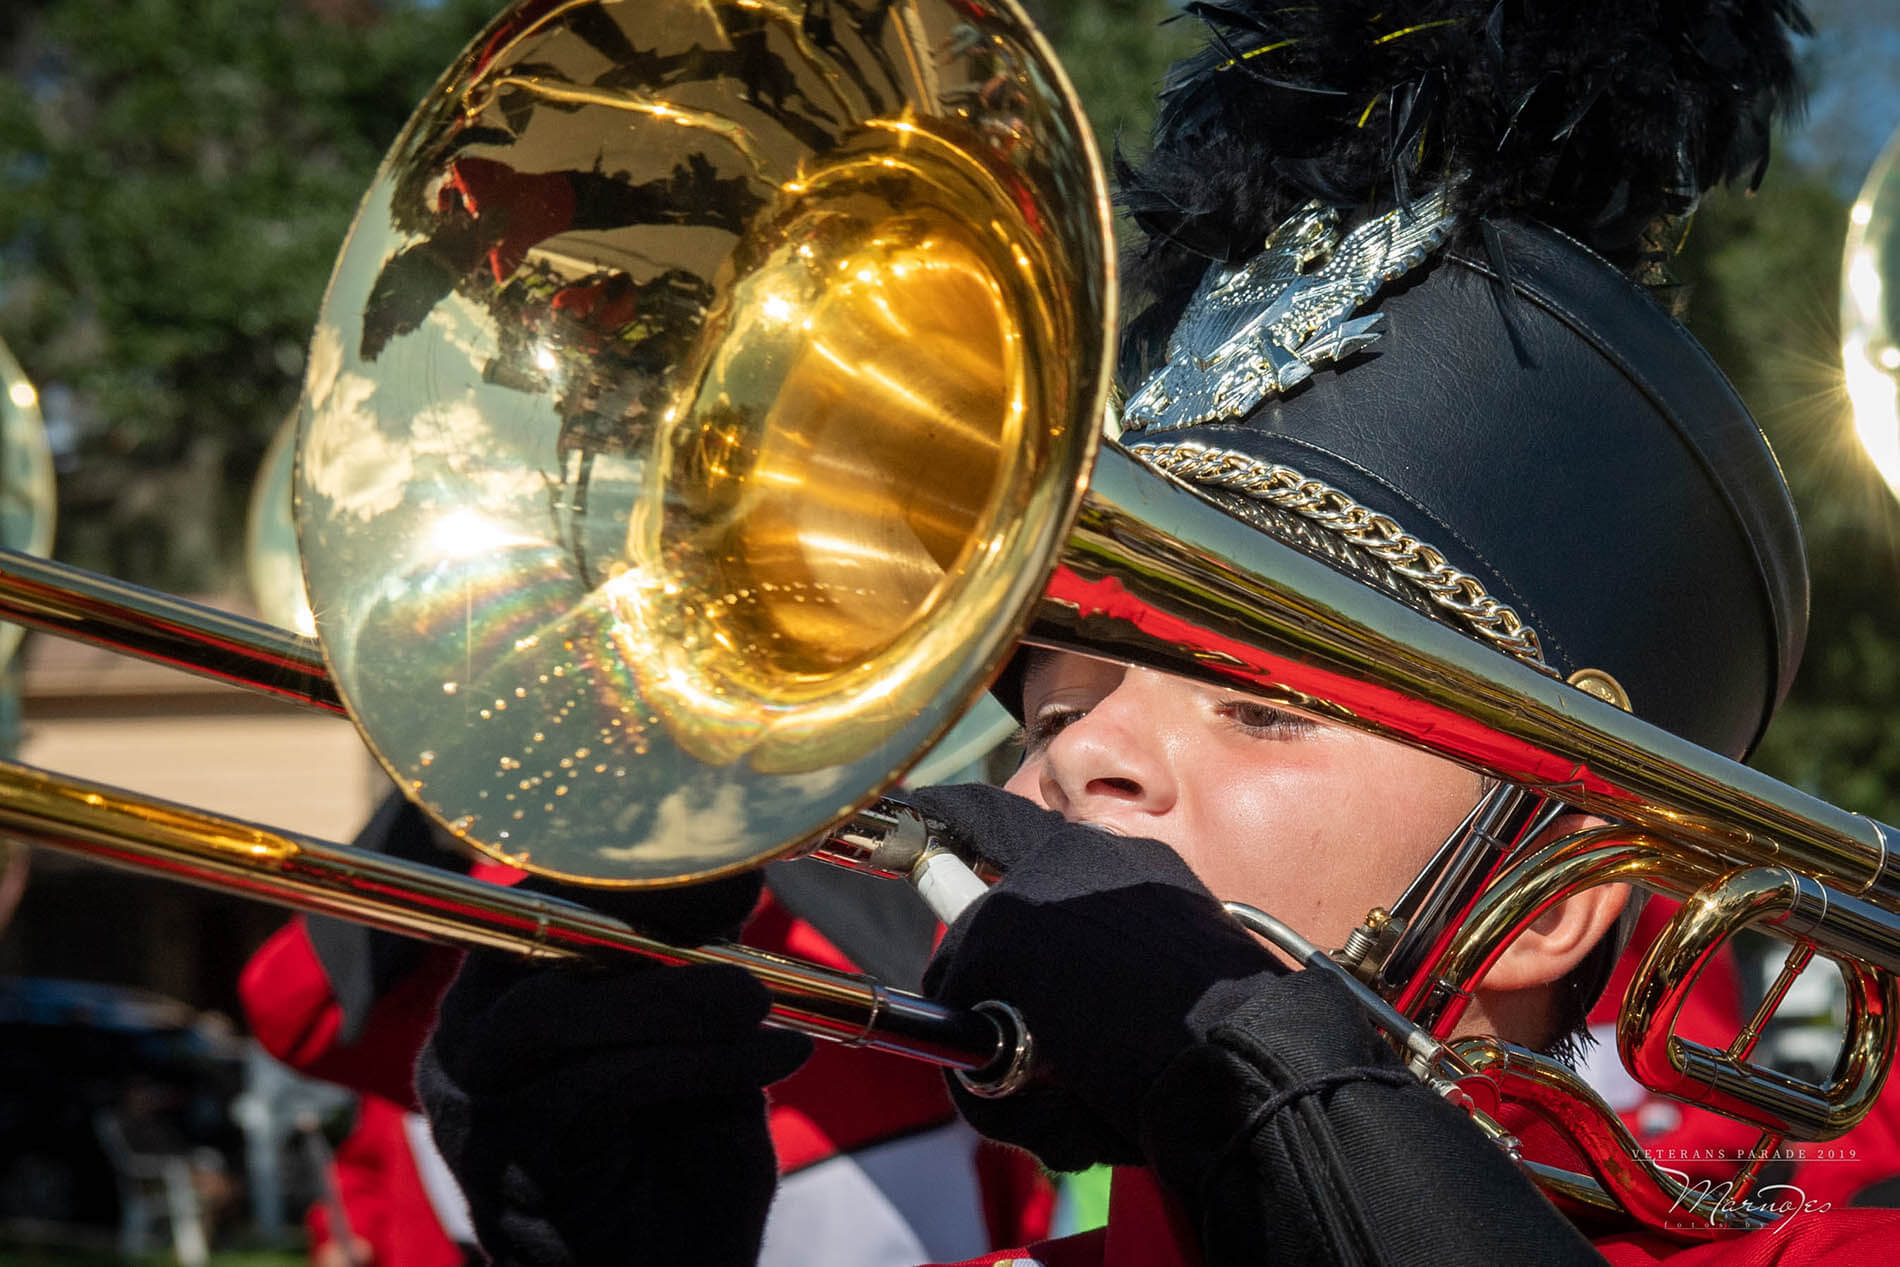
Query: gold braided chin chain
x,y
1458,593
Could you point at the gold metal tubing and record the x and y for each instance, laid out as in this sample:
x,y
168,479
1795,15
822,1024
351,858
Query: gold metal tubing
x,y
1716,907
1766,1145
181,843
1540,879
1584,1192
1694,1072
87,607
1154,574
1639,1186
1743,1044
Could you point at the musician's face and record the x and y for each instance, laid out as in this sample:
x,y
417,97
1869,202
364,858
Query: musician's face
x,y
1313,822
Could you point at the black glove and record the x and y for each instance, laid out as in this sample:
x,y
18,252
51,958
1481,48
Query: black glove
x,y
1263,1099
1295,1134
1117,957
612,1116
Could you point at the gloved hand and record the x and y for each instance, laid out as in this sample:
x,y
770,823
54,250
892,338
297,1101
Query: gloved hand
x,y
599,1115
1264,1099
1295,1134
1117,957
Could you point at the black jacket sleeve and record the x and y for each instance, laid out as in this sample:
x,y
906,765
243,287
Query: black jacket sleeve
x,y
1293,1133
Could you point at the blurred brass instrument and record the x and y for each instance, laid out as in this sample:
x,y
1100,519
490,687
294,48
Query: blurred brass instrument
x,y
26,524
26,476
271,564
1870,313
705,405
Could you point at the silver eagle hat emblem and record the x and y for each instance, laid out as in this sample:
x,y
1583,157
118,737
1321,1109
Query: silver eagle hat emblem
x,y
1263,326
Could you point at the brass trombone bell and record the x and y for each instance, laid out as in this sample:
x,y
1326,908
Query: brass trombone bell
x,y
271,563
27,498
275,572
700,389
1870,313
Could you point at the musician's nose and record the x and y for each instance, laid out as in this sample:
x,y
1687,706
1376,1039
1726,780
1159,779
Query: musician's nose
x,y
1113,764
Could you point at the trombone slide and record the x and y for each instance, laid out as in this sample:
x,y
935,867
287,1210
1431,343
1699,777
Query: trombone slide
x,y
145,834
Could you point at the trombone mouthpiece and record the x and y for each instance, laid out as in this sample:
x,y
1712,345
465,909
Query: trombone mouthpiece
x,y
946,884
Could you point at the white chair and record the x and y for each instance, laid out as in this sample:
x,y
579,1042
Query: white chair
x,y
153,1186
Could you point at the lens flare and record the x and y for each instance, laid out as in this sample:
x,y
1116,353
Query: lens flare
x,y
1870,353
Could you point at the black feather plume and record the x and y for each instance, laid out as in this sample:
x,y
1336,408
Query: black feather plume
x,y
1603,118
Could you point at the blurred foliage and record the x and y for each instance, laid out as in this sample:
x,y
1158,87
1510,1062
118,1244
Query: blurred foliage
x,y
175,179
1116,52
1765,276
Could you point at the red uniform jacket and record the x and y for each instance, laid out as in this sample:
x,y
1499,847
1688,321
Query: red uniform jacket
x,y
871,1151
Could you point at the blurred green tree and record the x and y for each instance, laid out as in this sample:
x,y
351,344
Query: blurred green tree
x,y
175,179
1764,272
1116,53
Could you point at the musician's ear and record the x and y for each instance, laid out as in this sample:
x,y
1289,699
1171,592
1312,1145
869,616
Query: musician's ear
x,y
1558,940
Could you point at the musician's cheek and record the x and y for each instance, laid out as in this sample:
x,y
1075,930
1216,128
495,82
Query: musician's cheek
x,y
1026,782
1321,839
1317,829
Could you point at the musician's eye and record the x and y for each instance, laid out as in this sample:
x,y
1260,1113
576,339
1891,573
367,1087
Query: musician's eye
x,y
1256,718
1047,722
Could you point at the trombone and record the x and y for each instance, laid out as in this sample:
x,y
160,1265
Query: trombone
x,y
1173,600
686,444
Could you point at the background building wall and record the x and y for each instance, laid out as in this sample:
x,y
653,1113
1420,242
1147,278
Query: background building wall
x,y
149,729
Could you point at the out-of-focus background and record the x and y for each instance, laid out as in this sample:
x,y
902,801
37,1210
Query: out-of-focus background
x,y
175,179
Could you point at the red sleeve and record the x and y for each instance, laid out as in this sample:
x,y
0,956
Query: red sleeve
x,y
848,1098
843,1098
383,1196
1867,1156
1019,1200
292,1011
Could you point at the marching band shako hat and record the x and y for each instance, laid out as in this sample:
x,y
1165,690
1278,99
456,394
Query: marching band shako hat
x,y
1570,480
1394,321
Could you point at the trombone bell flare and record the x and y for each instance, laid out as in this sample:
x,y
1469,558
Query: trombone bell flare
x,y
678,458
